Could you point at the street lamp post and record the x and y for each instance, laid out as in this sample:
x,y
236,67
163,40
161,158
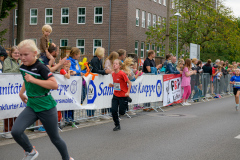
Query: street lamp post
x,y
178,15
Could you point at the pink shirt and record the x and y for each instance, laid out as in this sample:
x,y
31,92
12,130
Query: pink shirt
x,y
185,80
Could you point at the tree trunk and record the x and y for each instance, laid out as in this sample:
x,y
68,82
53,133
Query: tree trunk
x,y
167,27
1,2
20,22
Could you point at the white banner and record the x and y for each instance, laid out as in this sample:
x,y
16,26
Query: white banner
x,y
147,88
172,89
67,96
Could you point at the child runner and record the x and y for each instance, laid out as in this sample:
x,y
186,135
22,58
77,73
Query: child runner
x,y
121,92
235,80
38,80
186,80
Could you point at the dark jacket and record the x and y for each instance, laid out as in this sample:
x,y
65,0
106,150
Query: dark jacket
x,y
171,69
97,66
207,68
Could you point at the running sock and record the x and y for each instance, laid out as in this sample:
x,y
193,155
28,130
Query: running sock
x,y
237,105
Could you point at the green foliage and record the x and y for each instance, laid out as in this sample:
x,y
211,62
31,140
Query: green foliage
x,y
216,31
7,5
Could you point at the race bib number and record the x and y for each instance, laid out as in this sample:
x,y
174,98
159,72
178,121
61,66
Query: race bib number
x,y
237,84
117,87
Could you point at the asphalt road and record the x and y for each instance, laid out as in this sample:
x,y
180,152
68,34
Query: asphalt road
x,y
203,131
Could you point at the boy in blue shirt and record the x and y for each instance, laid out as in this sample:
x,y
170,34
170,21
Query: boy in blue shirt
x,y
235,80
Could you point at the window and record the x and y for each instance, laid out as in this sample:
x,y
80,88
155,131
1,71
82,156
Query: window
x,y
159,20
48,16
147,49
164,2
154,20
160,1
158,51
81,16
98,15
142,49
33,16
153,47
81,45
136,47
63,42
16,16
34,39
96,43
149,19
64,15
137,17
143,19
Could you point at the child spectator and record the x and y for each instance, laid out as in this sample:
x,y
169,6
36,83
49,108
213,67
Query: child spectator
x,y
66,70
108,64
128,62
186,80
40,104
135,70
121,92
73,58
180,66
44,42
75,71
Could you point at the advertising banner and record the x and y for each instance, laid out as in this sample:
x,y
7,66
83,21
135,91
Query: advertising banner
x,y
172,89
67,96
146,88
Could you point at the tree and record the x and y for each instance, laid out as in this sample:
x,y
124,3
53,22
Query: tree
x,y
5,6
215,30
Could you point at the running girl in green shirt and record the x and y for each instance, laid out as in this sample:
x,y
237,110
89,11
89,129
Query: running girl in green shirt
x,y
38,80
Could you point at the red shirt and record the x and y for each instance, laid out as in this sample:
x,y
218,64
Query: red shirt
x,y
213,72
63,72
120,79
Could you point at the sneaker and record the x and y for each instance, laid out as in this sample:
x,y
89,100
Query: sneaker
x,y
105,117
117,128
40,130
131,113
237,107
7,135
71,158
31,156
188,104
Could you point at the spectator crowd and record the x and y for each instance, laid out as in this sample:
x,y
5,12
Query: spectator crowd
x,y
69,66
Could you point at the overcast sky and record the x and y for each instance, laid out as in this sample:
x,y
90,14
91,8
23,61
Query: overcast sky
x,y
234,5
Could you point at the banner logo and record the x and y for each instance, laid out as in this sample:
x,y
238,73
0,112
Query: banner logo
x,y
159,88
92,92
73,87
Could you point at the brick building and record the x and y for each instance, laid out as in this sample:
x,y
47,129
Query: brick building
x,y
86,24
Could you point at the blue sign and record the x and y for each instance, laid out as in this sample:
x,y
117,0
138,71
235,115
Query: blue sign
x,y
92,92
